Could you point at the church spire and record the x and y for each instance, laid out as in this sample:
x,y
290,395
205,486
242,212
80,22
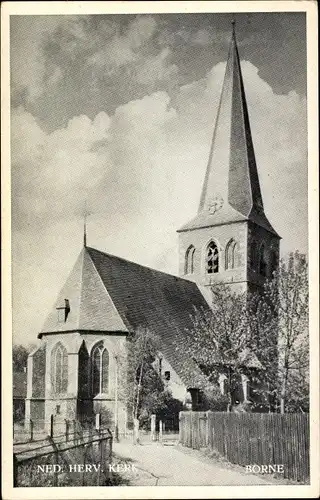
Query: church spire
x,y
230,239
231,174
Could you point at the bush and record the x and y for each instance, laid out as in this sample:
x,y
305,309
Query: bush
x,y
215,401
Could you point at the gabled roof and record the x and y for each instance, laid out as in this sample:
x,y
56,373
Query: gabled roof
x,y
110,294
91,307
231,189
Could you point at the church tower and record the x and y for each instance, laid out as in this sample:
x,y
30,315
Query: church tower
x,y
230,239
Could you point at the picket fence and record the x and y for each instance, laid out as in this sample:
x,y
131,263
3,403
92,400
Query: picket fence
x,y
251,438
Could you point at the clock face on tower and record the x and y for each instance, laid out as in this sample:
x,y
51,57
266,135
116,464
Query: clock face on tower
x,y
215,204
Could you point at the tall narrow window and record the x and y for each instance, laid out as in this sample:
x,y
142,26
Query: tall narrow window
x,y
262,261
232,254
212,258
59,369
189,260
99,369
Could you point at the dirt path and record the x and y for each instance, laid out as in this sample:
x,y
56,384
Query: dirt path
x,y
166,465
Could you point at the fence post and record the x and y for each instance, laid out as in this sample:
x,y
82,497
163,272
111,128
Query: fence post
x,y
160,431
74,431
208,443
85,449
109,441
101,454
51,426
31,430
55,473
67,430
98,422
15,470
135,431
153,427
90,437
180,427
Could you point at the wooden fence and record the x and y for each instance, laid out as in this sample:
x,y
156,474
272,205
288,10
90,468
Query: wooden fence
x,y
54,427
251,438
78,458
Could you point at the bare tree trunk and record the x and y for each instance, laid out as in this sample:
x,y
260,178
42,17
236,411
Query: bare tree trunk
x,y
138,392
229,390
284,390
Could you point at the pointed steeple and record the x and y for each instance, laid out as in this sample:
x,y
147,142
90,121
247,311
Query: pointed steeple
x,y
232,165
231,188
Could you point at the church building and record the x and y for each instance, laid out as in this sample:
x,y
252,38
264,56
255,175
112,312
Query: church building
x,y
106,298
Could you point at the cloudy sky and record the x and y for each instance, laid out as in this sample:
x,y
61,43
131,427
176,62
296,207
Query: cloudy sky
x,y
119,111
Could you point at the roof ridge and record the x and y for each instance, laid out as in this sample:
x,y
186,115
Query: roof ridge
x,y
123,320
139,265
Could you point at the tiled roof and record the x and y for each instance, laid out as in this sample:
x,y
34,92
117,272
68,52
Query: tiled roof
x,y
110,294
19,385
91,307
158,301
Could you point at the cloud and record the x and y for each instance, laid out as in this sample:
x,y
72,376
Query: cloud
x,y
52,171
28,63
156,69
140,30
278,124
141,170
42,50
116,54
123,49
202,37
135,50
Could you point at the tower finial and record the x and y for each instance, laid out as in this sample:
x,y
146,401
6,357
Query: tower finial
x,y
233,22
85,225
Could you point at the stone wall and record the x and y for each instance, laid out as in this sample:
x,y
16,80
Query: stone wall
x,y
77,403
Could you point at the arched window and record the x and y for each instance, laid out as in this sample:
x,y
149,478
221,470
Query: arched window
x,y
212,258
59,369
99,369
189,260
262,261
232,254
